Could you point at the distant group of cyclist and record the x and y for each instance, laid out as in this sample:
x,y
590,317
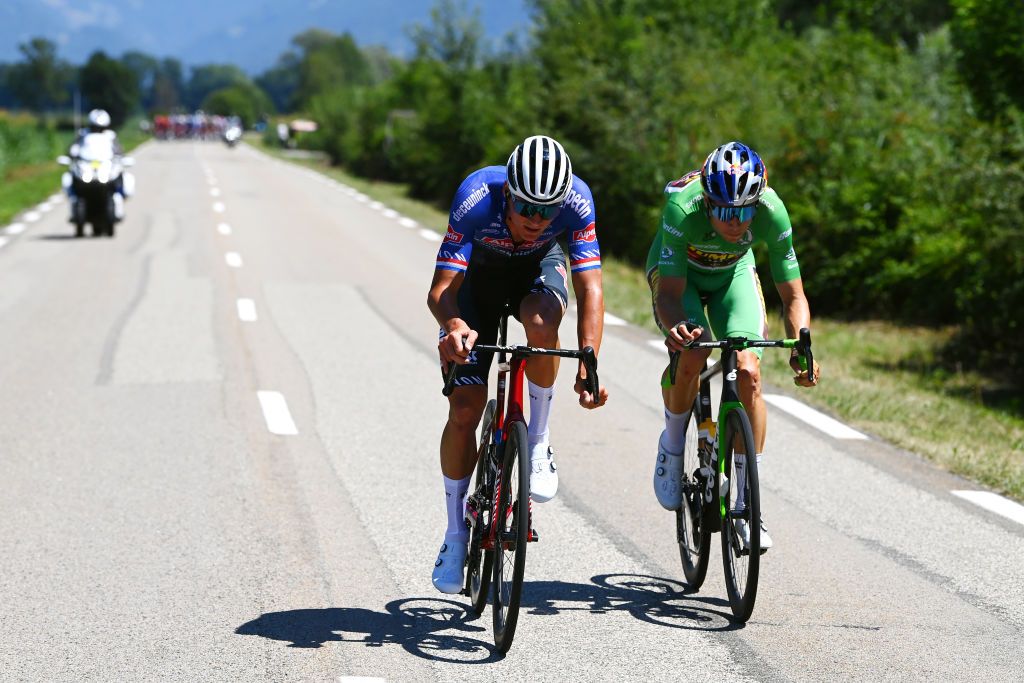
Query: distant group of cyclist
x,y
195,126
502,247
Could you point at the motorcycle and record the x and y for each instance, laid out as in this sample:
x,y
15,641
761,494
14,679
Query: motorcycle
x,y
232,134
96,184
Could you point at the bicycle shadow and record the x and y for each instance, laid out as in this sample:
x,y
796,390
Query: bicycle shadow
x,y
655,600
421,626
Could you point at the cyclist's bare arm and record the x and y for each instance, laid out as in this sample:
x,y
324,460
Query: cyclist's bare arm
x,y
589,326
442,299
669,307
796,315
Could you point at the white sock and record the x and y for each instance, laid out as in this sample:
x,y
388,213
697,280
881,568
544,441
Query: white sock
x,y
455,502
540,408
675,431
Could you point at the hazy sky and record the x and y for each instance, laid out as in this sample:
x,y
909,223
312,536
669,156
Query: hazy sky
x,y
251,33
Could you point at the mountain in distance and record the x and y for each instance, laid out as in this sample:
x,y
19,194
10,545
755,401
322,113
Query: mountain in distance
x,y
250,34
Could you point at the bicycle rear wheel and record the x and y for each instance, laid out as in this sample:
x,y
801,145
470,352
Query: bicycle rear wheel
x,y
691,534
480,561
512,534
741,560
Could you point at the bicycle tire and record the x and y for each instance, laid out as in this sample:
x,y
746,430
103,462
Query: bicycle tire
x,y
478,560
513,531
692,536
741,564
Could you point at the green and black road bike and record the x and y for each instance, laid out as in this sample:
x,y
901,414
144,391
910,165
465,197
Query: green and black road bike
x,y
710,483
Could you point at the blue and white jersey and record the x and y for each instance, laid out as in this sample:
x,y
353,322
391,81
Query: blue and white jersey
x,y
477,224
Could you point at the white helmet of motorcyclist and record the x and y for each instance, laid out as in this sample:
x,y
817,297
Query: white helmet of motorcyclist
x,y
99,119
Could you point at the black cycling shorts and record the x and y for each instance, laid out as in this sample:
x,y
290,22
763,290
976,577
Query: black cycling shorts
x,y
486,288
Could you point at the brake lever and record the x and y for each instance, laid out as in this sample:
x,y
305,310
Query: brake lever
x,y
806,356
590,363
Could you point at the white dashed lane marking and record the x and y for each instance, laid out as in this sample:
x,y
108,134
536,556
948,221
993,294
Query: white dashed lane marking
x,y
32,216
233,259
3,242
429,235
215,192
276,414
993,502
247,310
406,222
224,229
218,207
15,228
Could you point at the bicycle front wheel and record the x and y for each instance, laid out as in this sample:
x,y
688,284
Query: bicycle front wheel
x,y
691,533
741,526
512,533
479,560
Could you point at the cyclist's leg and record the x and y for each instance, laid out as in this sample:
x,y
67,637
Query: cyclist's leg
x,y
542,294
679,397
480,301
458,439
739,309
540,298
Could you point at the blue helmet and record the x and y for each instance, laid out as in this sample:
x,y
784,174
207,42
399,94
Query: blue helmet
x,y
734,175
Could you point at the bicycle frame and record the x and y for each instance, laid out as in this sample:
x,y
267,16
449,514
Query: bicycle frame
x,y
730,400
510,411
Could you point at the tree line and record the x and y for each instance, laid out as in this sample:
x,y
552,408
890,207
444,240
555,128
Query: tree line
x,y
893,131
132,84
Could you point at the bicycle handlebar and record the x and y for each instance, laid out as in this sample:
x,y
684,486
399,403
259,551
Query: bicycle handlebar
x,y
586,354
803,345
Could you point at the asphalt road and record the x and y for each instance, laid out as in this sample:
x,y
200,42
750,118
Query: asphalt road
x,y
163,518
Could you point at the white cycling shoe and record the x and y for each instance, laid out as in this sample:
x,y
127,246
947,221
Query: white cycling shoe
x,y
449,568
668,474
743,531
543,473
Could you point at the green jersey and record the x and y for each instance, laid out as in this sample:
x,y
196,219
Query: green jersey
x,y
689,244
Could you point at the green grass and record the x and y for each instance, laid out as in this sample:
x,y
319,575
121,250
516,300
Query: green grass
x,y
881,378
25,186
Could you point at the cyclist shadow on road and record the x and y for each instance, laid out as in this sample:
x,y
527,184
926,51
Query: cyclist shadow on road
x,y
660,601
421,626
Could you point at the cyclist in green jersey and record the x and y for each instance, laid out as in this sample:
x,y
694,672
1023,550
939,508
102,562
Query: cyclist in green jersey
x,y
701,257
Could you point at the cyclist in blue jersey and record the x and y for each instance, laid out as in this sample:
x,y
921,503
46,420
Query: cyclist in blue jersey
x,y
501,246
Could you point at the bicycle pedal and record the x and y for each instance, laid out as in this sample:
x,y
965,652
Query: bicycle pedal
x,y
533,536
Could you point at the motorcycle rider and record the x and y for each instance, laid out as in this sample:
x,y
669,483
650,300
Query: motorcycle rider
x,y
98,125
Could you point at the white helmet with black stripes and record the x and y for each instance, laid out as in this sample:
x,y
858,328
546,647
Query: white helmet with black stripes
x,y
539,171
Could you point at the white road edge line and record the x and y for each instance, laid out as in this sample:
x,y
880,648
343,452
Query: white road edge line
x,y
3,242
610,319
31,217
993,502
15,228
429,235
233,259
218,207
276,414
816,419
224,229
246,310
406,222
